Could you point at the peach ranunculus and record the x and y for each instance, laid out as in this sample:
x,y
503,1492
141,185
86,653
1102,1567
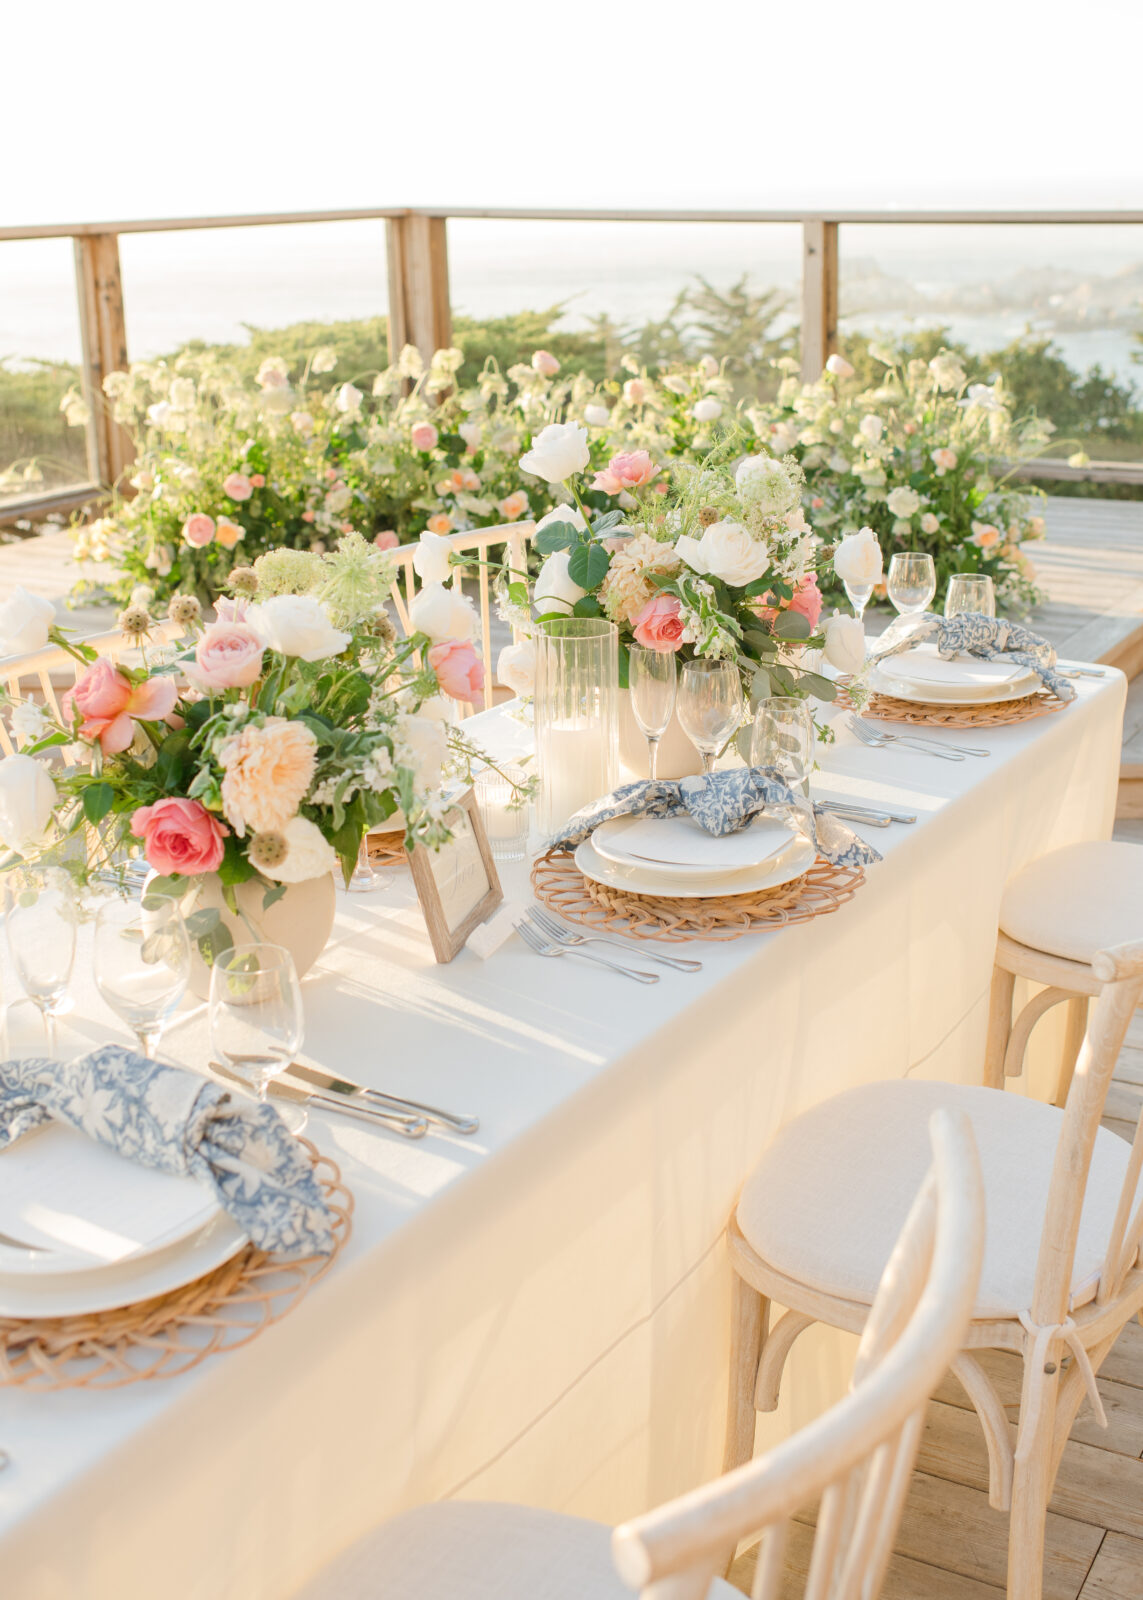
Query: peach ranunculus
x,y
459,670
386,539
179,836
944,460
110,704
269,768
630,469
424,436
513,505
228,656
198,529
659,626
441,523
986,535
228,533
238,486
258,479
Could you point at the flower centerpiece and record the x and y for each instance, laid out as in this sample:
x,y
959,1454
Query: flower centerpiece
x,y
926,459
259,749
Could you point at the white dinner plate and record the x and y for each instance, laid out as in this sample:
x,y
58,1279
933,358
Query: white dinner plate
x,y
679,847
922,669
647,878
88,1208
932,696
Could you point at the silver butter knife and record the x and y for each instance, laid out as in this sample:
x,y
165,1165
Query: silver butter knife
x,y
329,1084
866,813
287,1087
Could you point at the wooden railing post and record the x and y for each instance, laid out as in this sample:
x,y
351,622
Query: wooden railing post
x,y
819,295
104,334
419,309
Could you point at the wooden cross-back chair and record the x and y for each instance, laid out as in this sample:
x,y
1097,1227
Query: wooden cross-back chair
x,y
856,1459
1061,1276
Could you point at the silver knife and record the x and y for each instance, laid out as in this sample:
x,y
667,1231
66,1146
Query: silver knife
x,y
287,1087
346,1088
867,813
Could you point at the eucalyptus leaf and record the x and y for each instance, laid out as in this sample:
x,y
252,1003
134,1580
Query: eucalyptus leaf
x,y
820,688
760,686
792,625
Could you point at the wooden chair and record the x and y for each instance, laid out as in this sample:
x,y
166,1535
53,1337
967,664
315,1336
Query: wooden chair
x,y
1055,915
857,1458
1061,1276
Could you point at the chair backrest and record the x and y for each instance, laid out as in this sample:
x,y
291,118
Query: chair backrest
x,y
858,1457
478,545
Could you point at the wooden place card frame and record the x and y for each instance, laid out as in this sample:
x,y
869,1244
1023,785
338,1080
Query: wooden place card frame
x,y
458,885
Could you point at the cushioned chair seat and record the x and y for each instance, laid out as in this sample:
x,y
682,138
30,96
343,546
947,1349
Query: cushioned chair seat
x,y
828,1199
1078,900
465,1550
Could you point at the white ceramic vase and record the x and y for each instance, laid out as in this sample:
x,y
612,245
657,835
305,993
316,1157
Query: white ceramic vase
x,y
301,920
678,757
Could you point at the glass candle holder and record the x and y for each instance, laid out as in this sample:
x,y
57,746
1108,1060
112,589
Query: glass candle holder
x,y
505,818
576,716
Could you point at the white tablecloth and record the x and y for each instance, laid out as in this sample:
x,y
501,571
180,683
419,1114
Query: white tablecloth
x,y
539,1313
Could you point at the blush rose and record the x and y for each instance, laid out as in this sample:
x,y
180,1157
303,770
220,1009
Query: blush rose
x,y
179,836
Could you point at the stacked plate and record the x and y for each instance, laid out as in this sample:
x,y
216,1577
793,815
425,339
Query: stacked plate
x,y
673,857
82,1229
922,676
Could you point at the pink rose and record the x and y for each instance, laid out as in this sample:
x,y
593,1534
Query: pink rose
x,y
458,668
110,704
424,436
258,480
545,363
659,625
198,529
179,836
628,470
386,539
237,486
308,516
228,656
807,599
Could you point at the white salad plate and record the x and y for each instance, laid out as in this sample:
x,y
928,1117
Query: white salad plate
x,y
923,676
652,878
679,847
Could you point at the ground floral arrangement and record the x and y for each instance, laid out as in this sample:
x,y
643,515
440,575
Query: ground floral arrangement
x,y
228,468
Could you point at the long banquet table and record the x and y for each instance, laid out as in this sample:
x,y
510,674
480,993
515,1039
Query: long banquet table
x,y
540,1313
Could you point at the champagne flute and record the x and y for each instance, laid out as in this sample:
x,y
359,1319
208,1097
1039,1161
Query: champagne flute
x,y
653,677
710,705
783,738
142,964
41,916
912,582
256,1017
970,591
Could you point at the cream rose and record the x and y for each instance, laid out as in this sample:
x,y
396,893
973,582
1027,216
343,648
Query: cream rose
x,y
558,451
857,559
516,667
554,590
431,557
25,621
27,799
708,409
442,613
903,501
297,625
839,366
725,551
596,416
844,643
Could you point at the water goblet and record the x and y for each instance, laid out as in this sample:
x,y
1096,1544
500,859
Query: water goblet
x,y
654,680
912,582
142,964
783,738
256,1018
41,916
970,591
710,705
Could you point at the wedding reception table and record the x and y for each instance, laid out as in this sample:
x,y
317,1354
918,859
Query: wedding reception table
x,y
540,1312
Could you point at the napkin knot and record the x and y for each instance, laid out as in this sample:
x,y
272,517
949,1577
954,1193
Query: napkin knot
x,y
973,634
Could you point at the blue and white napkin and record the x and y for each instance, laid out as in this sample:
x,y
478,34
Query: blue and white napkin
x,y
173,1120
970,633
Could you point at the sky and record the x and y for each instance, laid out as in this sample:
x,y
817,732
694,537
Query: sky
x,y
122,109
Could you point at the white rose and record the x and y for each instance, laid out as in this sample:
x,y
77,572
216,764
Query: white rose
x,y
324,359
422,744
562,514
844,643
839,366
555,591
349,400
309,853
430,558
27,799
516,667
596,416
557,451
442,613
930,523
870,428
708,366
766,484
857,559
25,620
903,502
297,625
708,409
27,720
725,551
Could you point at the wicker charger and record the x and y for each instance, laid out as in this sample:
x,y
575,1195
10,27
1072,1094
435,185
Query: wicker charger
x,y
887,708
168,1335
561,886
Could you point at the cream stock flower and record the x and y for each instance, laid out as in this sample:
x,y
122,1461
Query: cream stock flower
x,y
268,770
628,587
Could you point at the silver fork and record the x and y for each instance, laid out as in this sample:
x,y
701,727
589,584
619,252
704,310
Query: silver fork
x,y
543,946
936,744
876,742
548,924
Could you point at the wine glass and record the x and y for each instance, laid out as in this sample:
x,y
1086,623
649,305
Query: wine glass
x,y
142,964
710,705
653,678
41,917
970,591
365,875
858,594
256,1017
783,738
912,582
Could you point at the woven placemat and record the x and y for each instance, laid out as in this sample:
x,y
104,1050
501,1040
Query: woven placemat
x,y
387,849
561,886
170,1334
887,708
